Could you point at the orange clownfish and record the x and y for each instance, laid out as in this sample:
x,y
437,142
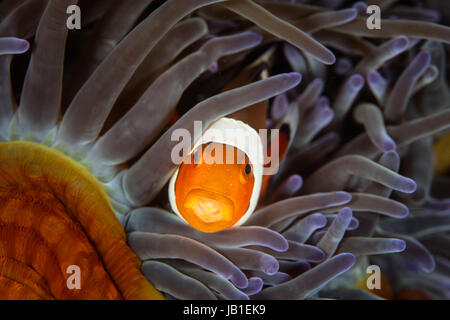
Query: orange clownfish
x,y
211,196
218,184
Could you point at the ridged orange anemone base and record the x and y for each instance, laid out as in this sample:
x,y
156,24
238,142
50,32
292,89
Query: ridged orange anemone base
x,y
54,214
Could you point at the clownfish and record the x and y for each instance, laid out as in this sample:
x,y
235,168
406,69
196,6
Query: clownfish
x,y
218,184
213,196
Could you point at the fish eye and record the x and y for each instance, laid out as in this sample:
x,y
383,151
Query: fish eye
x,y
248,168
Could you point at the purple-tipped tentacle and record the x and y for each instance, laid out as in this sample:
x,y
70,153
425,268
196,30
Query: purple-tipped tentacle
x,y
309,282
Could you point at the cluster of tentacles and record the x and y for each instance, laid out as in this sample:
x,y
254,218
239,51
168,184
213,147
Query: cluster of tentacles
x,y
366,177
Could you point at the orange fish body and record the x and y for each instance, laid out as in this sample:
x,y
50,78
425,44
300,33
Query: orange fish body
x,y
218,184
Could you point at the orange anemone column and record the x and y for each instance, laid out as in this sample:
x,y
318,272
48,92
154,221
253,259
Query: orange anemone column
x,y
55,214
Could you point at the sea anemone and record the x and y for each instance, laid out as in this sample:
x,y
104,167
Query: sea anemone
x,y
86,123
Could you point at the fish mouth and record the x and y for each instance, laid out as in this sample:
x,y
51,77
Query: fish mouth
x,y
209,206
